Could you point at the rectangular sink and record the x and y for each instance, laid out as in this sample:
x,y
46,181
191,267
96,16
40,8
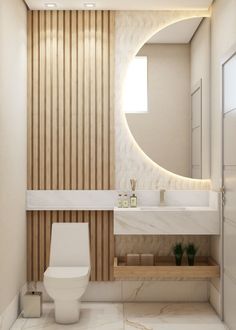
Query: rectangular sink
x,y
165,208
167,220
162,208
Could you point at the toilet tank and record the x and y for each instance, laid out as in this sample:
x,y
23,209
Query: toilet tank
x,y
70,245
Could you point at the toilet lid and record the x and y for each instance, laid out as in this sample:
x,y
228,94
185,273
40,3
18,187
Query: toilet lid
x,y
67,272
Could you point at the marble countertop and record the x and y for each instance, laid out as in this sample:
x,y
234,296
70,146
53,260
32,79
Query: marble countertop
x,y
51,200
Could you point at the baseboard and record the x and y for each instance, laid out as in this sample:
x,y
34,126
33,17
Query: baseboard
x,y
142,291
12,311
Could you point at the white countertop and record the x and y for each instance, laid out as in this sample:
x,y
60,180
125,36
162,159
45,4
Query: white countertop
x,y
51,200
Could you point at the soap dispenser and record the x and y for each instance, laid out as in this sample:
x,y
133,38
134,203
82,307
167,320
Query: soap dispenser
x,y
120,201
133,197
125,202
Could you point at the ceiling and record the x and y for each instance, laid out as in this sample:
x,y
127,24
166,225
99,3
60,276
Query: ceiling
x,y
123,4
178,33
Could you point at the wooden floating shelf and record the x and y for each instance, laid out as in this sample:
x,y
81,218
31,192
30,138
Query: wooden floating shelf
x,y
165,268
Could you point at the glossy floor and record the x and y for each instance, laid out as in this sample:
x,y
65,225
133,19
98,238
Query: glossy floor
x,y
128,316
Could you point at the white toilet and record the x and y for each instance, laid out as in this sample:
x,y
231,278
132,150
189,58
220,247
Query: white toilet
x,y
67,276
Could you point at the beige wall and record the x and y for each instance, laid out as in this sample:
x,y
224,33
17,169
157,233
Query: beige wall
x,y
163,133
200,69
12,149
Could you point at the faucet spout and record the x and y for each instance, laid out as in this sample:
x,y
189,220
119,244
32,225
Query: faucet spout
x,y
162,197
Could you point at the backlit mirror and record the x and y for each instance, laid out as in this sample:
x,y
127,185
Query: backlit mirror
x,y
166,99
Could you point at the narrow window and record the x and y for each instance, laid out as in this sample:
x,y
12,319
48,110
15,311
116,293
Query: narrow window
x,y
135,98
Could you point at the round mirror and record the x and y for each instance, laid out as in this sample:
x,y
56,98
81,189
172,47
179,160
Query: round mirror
x,y
166,98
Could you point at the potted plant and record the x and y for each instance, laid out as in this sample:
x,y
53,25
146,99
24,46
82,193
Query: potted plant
x,y
178,251
191,250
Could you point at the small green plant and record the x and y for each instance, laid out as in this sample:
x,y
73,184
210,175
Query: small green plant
x,y
191,250
178,251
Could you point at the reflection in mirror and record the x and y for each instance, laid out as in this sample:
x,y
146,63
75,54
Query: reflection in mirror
x,y
166,98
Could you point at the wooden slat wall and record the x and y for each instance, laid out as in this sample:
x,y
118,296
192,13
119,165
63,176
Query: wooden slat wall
x,y
70,125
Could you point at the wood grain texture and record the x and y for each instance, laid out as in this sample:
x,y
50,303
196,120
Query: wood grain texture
x,y
165,268
70,126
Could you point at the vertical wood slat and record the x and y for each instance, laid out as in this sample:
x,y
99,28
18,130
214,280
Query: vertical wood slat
x,y
67,99
42,97
73,91
105,246
35,140
111,125
80,91
105,142
29,141
42,112
92,85
48,133
70,123
86,128
42,224
67,106
99,254
60,99
54,129
48,99
99,247
30,100
42,132
35,97
73,95
92,139
29,246
111,245
54,91
48,223
105,89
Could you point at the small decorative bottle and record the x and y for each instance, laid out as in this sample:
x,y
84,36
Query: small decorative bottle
x,y
120,201
133,197
133,200
125,202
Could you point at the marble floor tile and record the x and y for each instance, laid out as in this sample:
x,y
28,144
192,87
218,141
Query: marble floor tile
x,y
131,316
161,291
171,316
103,291
99,316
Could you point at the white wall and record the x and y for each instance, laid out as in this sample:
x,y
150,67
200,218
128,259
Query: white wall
x,y
200,69
13,95
163,133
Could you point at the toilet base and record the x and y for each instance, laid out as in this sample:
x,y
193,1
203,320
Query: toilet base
x,y
67,311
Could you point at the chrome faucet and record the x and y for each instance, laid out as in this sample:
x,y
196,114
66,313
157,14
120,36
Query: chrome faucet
x,y
162,197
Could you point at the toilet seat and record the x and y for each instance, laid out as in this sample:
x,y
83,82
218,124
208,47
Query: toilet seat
x,y
67,272
67,276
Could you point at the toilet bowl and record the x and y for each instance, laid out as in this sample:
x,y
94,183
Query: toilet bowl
x,y
67,276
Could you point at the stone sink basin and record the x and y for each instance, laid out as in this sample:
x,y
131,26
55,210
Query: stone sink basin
x,y
167,220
